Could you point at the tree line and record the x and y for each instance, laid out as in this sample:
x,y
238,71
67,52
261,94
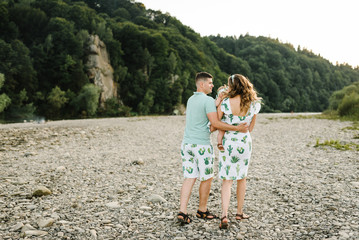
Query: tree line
x,y
43,51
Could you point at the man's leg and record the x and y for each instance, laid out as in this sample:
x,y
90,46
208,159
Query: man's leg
x,y
186,193
204,189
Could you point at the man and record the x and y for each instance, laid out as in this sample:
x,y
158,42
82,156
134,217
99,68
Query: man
x,y
196,149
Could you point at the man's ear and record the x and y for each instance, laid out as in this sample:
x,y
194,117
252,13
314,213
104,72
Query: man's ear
x,y
201,83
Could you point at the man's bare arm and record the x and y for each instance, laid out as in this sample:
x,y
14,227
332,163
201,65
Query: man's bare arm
x,y
213,118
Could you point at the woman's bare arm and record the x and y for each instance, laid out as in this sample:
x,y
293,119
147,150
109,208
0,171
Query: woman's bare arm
x,y
253,122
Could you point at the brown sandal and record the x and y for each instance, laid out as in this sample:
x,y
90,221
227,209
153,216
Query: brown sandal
x,y
223,225
241,216
205,215
185,218
220,147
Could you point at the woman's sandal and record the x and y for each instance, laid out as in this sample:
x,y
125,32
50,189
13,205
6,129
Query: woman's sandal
x,y
220,147
185,219
241,216
223,225
205,215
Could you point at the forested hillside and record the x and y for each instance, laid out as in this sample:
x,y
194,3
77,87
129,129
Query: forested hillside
x,y
44,48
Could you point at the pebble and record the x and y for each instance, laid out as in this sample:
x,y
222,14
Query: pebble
x,y
93,234
27,227
41,191
113,205
35,233
17,227
108,181
42,223
154,198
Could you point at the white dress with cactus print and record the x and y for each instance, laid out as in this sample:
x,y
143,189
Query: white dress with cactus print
x,y
234,160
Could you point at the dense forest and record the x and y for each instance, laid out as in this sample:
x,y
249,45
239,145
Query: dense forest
x,y
44,47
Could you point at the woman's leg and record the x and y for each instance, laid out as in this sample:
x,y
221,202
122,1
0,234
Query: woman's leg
x,y
241,192
219,140
226,196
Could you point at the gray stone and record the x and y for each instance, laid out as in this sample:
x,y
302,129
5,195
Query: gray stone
x,y
27,227
42,223
113,205
154,198
17,227
35,233
93,234
61,169
41,191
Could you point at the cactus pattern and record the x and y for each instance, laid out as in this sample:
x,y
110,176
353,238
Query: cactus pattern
x,y
231,117
194,145
228,167
209,150
208,171
201,151
234,159
246,162
212,160
229,149
240,150
206,160
182,154
191,160
191,153
189,170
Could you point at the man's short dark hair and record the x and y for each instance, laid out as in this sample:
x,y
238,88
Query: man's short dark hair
x,y
203,76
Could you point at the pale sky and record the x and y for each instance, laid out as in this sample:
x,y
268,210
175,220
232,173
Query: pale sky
x,y
326,27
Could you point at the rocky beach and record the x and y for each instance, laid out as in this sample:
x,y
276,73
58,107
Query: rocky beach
x,y
120,178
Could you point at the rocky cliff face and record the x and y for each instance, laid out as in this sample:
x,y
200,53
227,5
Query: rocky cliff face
x,y
100,71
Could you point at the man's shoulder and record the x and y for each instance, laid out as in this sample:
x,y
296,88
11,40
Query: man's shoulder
x,y
209,98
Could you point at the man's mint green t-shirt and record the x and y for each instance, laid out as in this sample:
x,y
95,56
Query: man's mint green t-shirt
x,y
198,106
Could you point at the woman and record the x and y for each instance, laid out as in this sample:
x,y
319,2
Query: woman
x,y
240,106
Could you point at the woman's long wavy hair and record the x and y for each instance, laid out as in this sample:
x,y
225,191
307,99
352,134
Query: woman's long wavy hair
x,y
240,85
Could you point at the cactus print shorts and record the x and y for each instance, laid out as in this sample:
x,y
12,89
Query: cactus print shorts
x,y
197,161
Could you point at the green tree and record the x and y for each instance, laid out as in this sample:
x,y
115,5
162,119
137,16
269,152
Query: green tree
x,y
87,100
57,99
4,99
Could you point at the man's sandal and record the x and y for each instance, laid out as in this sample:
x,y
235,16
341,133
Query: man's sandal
x,y
183,218
223,225
220,147
205,215
241,216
